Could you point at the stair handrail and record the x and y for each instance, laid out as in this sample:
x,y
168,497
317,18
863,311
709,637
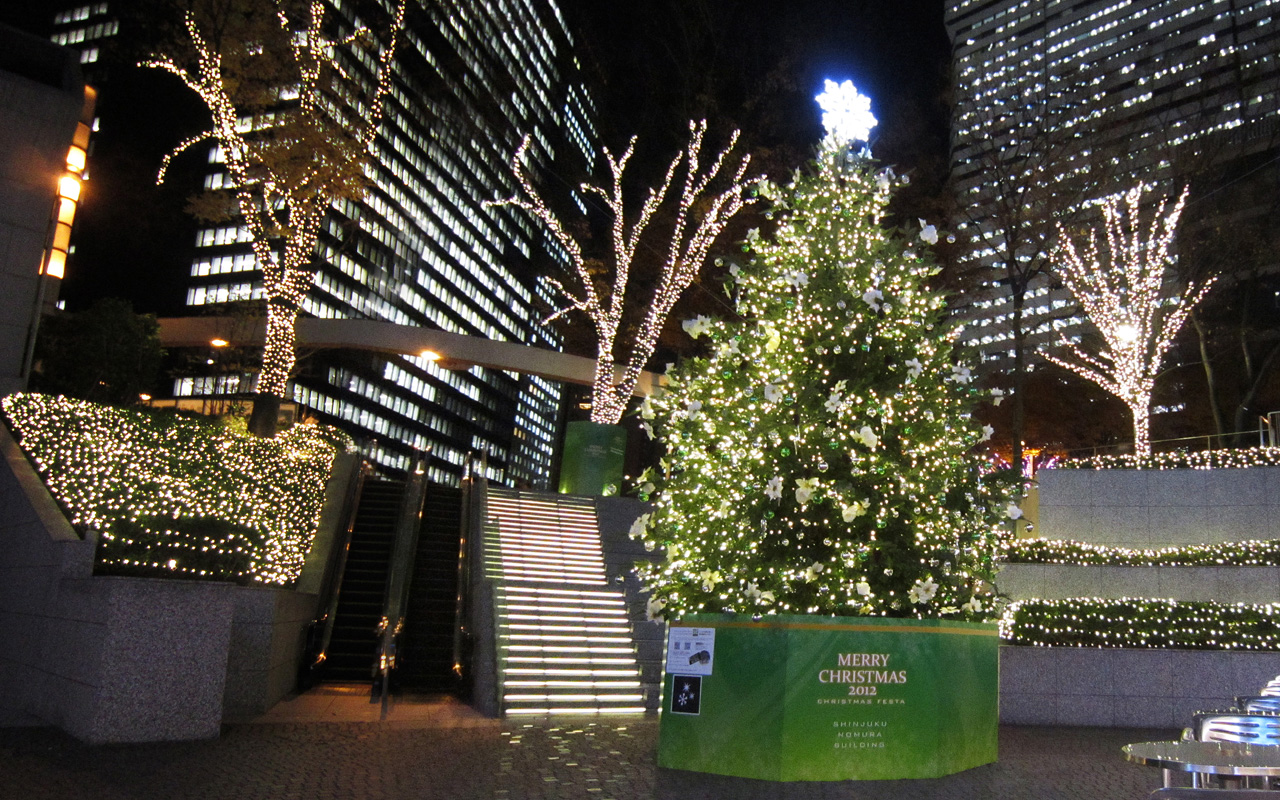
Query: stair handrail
x,y
473,644
461,603
330,587
399,574
474,487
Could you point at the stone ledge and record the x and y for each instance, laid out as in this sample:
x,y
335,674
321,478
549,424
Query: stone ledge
x,y
1220,584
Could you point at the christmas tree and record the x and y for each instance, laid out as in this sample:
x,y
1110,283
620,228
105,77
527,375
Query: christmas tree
x,y
821,459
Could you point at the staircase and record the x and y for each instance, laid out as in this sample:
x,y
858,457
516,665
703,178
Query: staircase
x,y
353,645
564,636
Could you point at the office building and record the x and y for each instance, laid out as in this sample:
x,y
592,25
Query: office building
x,y
1083,99
421,248
44,105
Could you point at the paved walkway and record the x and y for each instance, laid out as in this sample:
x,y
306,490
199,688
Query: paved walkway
x,y
331,745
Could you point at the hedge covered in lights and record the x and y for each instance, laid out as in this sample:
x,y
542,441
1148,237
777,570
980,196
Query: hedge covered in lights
x,y
179,495
1065,551
1130,622
1182,459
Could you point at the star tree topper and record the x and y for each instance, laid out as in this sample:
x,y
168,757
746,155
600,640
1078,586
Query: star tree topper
x,y
845,114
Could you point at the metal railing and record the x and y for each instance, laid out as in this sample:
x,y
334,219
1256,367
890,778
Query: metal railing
x,y
321,630
399,576
1204,442
467,624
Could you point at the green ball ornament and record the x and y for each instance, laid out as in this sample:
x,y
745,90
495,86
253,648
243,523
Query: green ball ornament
x,y
785,451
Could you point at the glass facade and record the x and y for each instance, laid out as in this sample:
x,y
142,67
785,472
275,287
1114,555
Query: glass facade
x,y
422,249
1120,88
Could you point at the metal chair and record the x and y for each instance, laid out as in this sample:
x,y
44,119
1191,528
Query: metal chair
x,y
1258,704
1218,726
1237,727
1272,689
1200,793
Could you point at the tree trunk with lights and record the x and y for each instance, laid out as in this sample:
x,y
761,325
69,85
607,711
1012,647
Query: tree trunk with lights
x,y
1119,279
702,212
294,128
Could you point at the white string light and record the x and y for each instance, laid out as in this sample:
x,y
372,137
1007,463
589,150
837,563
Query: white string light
x,y
1141,623
1120,283
1234,458
285,182
179,495
700,218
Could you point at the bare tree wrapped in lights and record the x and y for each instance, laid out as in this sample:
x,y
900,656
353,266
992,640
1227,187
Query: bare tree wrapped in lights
x,y
294,119
821,459
701,214
1121,280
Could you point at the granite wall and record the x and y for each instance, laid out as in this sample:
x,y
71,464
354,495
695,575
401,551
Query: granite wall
x,y
1118,687
1159,508
124,659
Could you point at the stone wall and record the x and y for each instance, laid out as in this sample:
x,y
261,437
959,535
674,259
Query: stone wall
x,y
1141,509
1117,687
136,659
615,516
1159,508
40,550
1203,584
123,659
268,633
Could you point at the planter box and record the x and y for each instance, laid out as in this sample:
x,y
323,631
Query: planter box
x,y
793,698
1123,687
1158,508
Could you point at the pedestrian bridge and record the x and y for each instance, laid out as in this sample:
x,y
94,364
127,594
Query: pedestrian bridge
x,y
453,350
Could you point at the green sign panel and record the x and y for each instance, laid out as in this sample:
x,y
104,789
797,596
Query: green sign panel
x,y
594,457
819,698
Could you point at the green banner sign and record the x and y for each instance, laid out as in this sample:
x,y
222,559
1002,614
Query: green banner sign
x,y
594,456
819,698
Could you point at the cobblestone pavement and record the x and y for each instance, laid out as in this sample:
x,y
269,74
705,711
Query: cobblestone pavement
x,y
427,753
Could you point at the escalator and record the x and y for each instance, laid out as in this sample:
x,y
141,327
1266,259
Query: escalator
x,y
425,660
425,646
353,644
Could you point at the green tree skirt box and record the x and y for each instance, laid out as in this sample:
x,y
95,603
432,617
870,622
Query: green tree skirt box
x,y
799,698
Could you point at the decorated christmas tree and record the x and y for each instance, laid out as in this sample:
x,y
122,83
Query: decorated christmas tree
x,y
822,458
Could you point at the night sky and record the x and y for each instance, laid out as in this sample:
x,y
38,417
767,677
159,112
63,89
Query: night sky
x,y
757,65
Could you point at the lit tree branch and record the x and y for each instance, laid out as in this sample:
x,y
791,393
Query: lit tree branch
x,y
690,240
1121,285
286,164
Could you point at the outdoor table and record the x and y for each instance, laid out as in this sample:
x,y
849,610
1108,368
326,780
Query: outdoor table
x,y
1207,758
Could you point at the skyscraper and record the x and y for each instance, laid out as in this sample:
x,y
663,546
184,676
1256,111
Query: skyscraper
x,y
1071,100
421,248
